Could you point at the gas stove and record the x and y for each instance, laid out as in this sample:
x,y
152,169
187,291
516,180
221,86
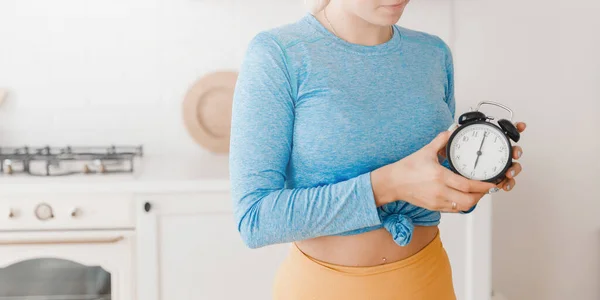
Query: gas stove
x,y
62,161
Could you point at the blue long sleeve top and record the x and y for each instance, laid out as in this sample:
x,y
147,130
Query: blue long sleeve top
x,y
314,115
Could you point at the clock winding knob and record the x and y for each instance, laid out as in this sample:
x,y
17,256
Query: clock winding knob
x,y
44,212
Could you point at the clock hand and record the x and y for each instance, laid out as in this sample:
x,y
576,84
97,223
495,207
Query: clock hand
x,y
479,151
481,146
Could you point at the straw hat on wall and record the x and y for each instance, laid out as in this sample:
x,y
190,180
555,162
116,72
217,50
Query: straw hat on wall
x,y
207,110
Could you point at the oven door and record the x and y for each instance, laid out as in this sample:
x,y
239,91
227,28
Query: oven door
x,y
74,265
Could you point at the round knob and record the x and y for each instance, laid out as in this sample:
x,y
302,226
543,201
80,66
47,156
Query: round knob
x,y
74,212
44,212
147,206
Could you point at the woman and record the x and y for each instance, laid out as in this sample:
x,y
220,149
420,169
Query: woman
x,y
338,122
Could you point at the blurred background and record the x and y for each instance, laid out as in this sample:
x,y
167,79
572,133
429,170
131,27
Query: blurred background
x,y
114,72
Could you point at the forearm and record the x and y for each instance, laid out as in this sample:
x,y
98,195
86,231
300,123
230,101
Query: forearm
x,y
286,215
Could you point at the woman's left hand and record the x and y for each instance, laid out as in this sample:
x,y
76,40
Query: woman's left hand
x,y
509,182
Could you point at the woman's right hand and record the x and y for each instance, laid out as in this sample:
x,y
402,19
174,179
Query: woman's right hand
x,y
421,180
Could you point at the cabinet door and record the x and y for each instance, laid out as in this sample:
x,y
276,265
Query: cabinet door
x,y
189,248
468,241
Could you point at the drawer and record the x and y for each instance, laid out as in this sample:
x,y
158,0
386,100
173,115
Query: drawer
x,y
66,211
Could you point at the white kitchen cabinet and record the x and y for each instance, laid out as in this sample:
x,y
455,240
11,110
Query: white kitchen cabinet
x,y
189,248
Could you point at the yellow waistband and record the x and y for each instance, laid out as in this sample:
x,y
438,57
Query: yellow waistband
x,y
430,250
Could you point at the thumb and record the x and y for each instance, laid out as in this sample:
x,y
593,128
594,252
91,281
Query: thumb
x,y
439,142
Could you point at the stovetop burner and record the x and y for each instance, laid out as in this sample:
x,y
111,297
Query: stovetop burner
x,y
60,161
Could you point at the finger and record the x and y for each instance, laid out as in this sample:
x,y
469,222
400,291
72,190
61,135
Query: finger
x,y
494,190
439,142
465,185
463,201
514,170
449,208
501,184
507,184
521,126
517,152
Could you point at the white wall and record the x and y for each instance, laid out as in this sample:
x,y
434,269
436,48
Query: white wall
x,y
540,57
97,72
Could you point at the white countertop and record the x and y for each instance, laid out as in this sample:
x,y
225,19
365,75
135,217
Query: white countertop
x,y
152,174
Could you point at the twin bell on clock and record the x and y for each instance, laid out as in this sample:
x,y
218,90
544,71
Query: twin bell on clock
x,y
479,149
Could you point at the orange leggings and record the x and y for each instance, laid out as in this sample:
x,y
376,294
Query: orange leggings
x,y
425,275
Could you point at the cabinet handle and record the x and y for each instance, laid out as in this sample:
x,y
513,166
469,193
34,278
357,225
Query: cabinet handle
x,y
110,240
147,206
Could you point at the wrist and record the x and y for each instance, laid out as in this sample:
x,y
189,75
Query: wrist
x,y
383,191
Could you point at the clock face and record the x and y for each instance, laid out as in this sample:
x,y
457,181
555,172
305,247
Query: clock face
x,y
479,151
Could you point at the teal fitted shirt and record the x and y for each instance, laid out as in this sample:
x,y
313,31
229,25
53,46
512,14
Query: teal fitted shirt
x,y
314,115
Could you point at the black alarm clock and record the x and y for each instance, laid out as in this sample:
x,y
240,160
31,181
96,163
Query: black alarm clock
x,y
479,149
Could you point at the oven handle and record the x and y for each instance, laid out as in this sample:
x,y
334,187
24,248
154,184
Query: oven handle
x,y
109,240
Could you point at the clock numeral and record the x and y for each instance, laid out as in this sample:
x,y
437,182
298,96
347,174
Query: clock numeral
x,y
457,146
458,157
472,173
475,133
464,166
495,168
485,174
496,139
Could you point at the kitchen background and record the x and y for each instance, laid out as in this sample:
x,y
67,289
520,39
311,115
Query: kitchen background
x,y
104,72
116,72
